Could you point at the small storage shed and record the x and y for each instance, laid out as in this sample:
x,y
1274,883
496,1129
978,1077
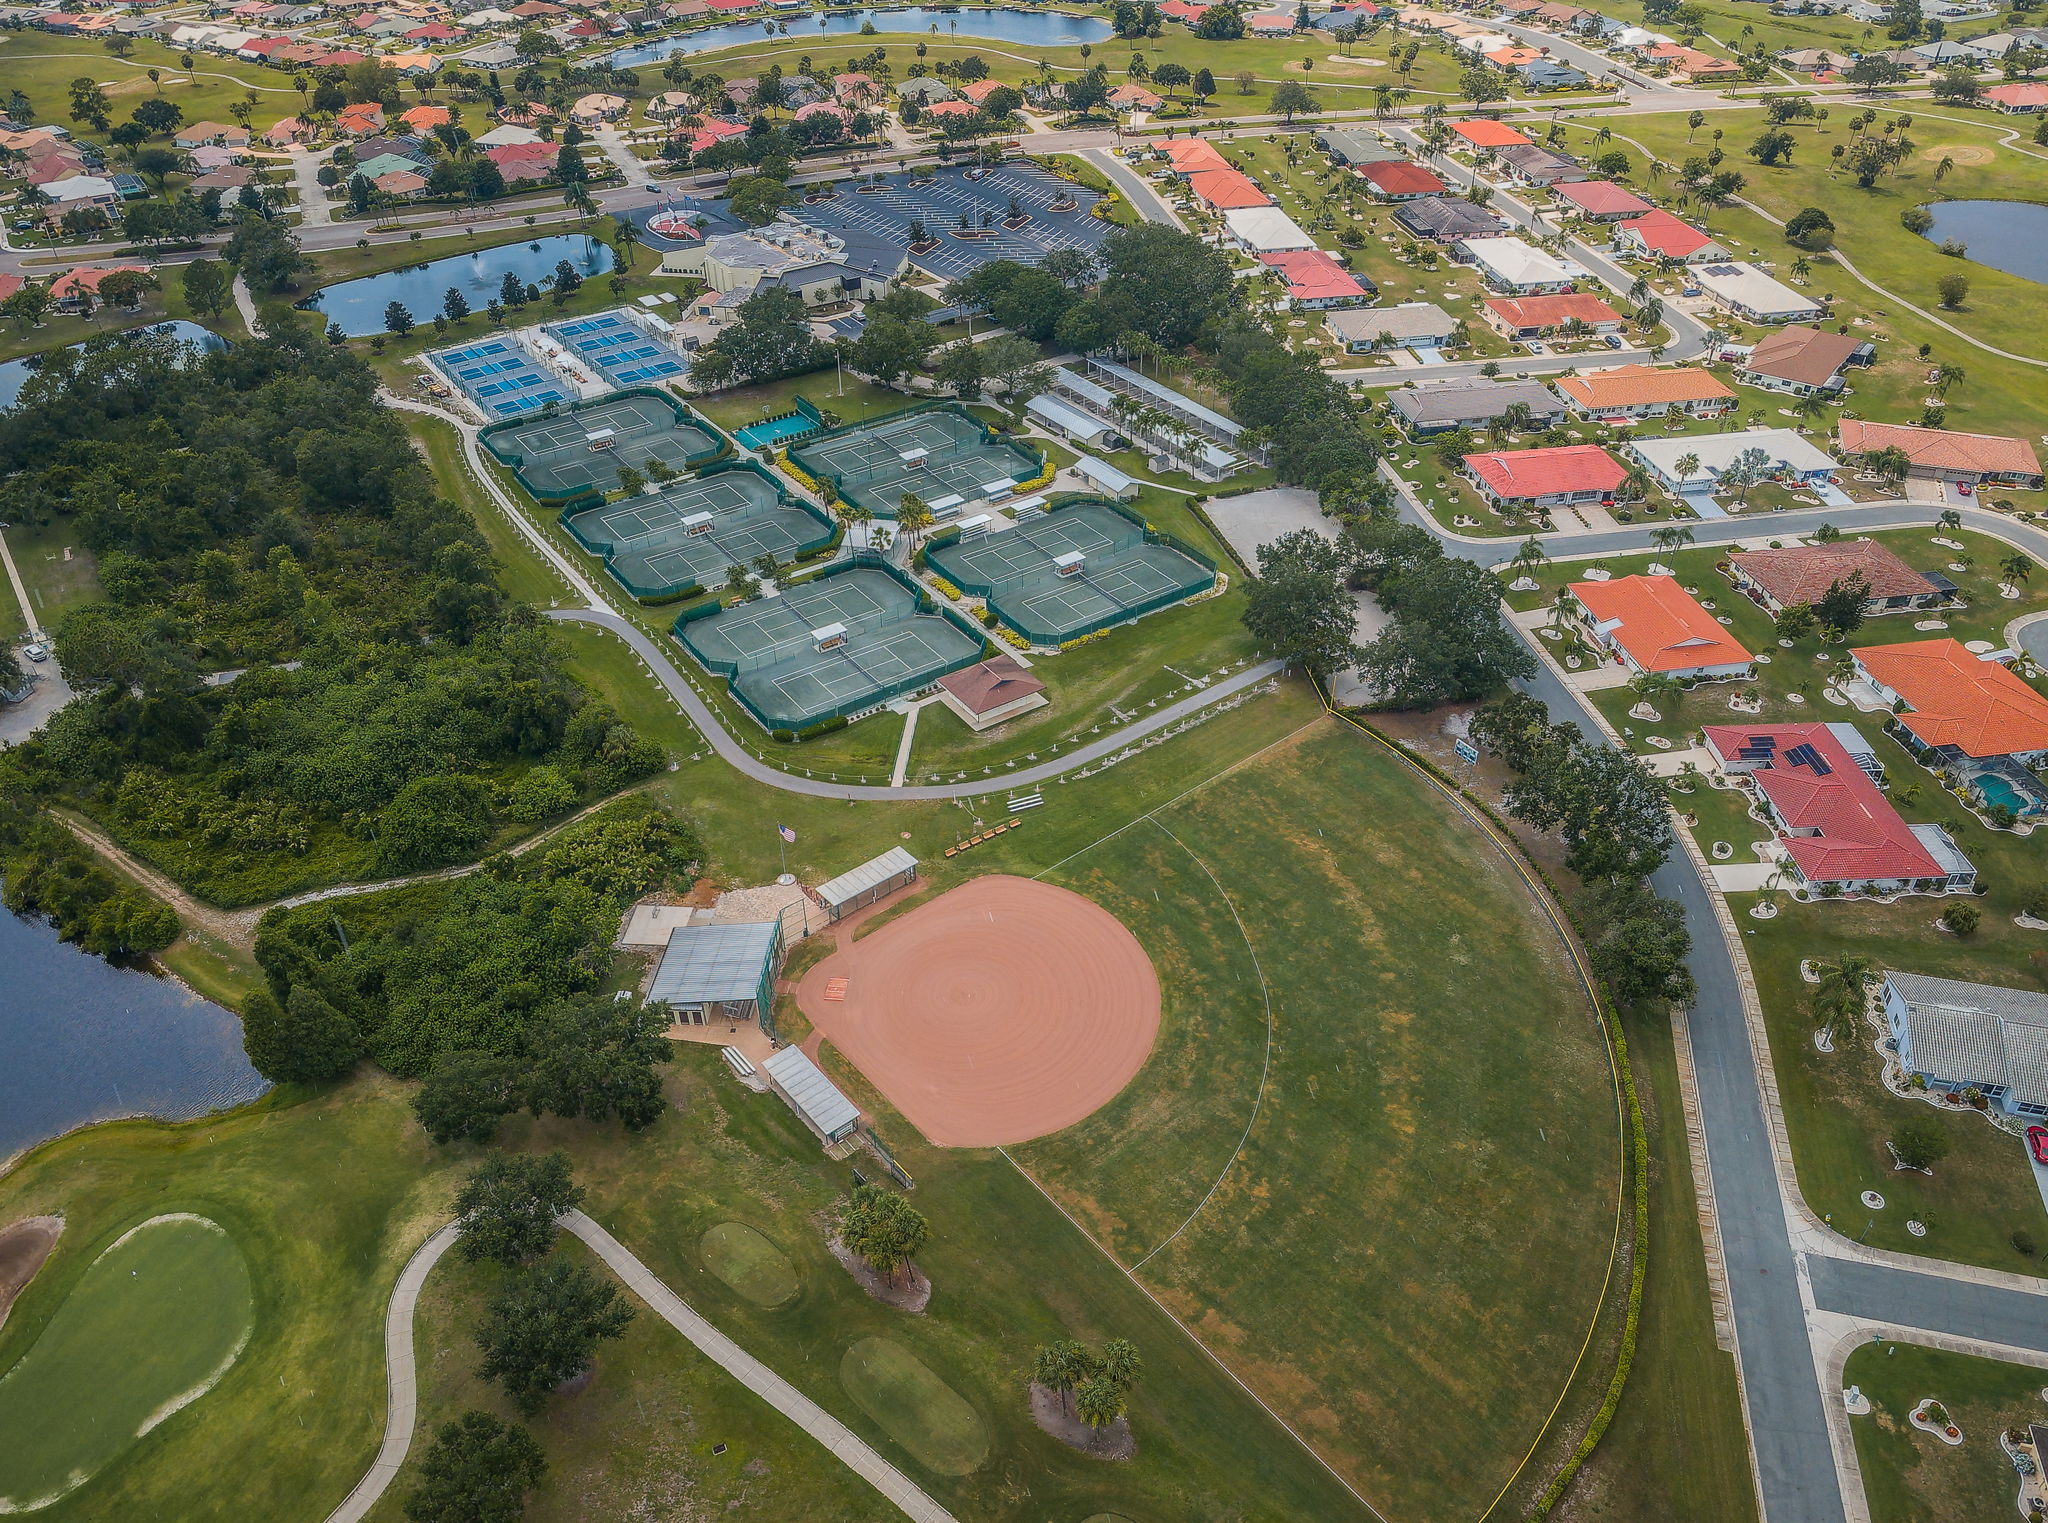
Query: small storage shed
x,y
868,882
815,1098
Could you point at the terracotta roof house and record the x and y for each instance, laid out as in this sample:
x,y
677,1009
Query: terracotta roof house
x,y
401,182
1541,479
1601,200
981,89
1270,24
1522,317
72,285
361,120
991,691
1226,189
2017,99
1184,11
519,162
1802,360
1646,391
1957,705
962,108
1939,454
1513,57
1483,132
1315,280
215,134
1123,97
283,134
1796,574
1651,624
701,138
1835,829
1191,155
426,118
1656,234
1400,180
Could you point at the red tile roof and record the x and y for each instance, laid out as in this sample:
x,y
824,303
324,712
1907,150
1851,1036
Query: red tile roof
x,y
1643,386
1958,700
1939,448
1313,275
1660,624
1191,155
1398,177
87,277
991,684
1226,189
1600,198
1662,233
1552,311
1543,472
1860,836
1804,573
2018,96
1182,10
1482,132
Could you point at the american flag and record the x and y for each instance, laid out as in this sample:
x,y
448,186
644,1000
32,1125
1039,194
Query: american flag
x,y
786,833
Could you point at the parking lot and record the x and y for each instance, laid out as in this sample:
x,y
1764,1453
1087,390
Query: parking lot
x,y
887,214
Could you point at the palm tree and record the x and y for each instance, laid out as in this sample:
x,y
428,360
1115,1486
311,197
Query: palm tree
x,y
1529,556
1684,466
1947,375
1839,996
1671,536
2015,568
1949,521
913,517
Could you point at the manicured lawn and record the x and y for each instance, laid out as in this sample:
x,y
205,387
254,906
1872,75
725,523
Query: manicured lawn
x,y
917,1409
153,1319
1910,1475
58,572
1438,1102
42,65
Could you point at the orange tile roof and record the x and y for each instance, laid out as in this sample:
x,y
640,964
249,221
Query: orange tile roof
x,y
1551,311
1226,189
1518,475
1640,385
1659,624
1958,700
1191,155
1482,132
1988,454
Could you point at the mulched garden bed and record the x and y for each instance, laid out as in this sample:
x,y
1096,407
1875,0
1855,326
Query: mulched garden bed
x,y
1112,1441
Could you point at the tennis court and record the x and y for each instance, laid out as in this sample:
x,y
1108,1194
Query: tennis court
x,y
579,449
940,454
499,377
1083,566
845,643
619,349
688,534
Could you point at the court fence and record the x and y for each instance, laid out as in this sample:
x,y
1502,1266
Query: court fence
x,y
991,589
922,603
784,428
810,549
802,463
493,439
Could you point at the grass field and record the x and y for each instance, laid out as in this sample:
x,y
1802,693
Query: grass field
x,y
749,1263
1913,1477
151,1323
1435,1101
916,1408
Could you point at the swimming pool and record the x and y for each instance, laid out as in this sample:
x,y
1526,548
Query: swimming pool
x,y
2000,793
618,349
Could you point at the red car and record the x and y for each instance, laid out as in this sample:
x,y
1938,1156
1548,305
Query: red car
x,y
1963,488
2037,1140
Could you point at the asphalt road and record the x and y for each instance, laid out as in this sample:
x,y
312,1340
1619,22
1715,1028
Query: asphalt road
x,y
1957,1308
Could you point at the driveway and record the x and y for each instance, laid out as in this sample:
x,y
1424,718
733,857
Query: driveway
x,y
51,692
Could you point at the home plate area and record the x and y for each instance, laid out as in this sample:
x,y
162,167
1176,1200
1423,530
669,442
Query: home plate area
x,y
1002,1010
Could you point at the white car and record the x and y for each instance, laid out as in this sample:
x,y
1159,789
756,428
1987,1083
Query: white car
x,y
37,652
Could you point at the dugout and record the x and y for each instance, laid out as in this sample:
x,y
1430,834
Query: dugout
x,y
816,1100
711,973
872,880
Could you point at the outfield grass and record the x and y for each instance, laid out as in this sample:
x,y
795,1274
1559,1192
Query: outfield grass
x,y
151,1323
1438,1104
1913,1477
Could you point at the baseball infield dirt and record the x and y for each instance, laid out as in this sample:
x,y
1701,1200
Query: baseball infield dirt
x,y
1002,1010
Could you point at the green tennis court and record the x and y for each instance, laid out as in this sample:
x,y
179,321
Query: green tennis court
x,y
831,648
1029,577
688,535
936,453
581,448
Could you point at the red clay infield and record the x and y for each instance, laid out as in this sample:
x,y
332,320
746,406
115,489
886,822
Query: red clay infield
x,y
1002,1010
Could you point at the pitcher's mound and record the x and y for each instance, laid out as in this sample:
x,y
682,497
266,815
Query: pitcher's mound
x,y
1000,1011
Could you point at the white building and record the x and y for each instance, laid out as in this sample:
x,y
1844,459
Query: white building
x,y
1264,230
1786,455
1515,268
1749,293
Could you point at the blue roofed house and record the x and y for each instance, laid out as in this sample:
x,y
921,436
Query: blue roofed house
x,y
1956,1037
1549,74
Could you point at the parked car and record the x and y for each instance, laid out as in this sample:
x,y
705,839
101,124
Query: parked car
x,y
36,652
1614,341
1532,346
1962,489
2037,1141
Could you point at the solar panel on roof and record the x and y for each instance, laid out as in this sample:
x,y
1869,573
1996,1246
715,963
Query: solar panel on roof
x,y
1806,756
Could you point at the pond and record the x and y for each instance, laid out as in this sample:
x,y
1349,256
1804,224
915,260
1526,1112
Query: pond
x,y
2006,235
1037,29
84,1041
358,305
15,373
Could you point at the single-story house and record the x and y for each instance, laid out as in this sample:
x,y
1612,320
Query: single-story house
x,y
1601,200
499,137
1126,97
925,90
1350,148
1270,24
1411,325
1187,156
1836,831
1813,60
1651,624
598,107
1526,317
1802,574
287,131
712,973
210,134
1646,391
1656,234
1439,406
1549,74
1952,706
1317,281
1528,164
1263,229
1447,219
402,183
1802,360
1749,293
1786,456
1400,180
991,691
426,118
1484,133
1541,479
362,120
521,162
78,193
1940,454
2017,99
1961,1036
1226,190
1519,269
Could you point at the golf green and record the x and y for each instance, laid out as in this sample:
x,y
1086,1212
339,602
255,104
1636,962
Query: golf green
x,y
153,1322
919,1410
749,1263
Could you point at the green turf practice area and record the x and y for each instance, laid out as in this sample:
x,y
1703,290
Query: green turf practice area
x,y
942,454
830,648
688,535
153,1323
581,448
1083,566
749,1263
